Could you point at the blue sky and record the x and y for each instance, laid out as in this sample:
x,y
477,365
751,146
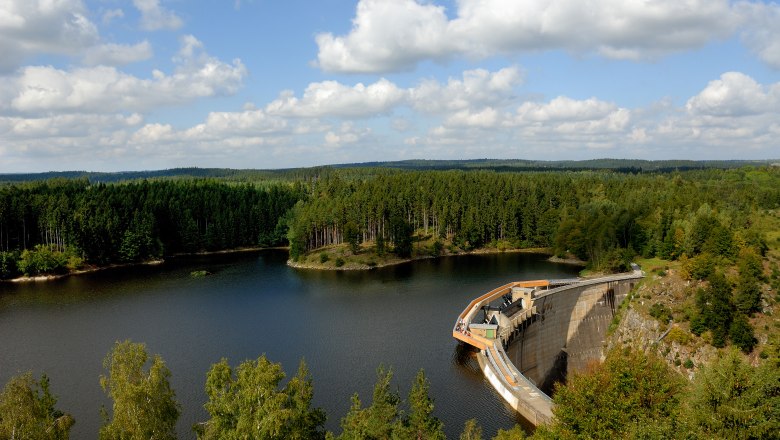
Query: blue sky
x,y
111,85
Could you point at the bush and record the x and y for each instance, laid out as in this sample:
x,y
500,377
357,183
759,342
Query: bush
x,y
678,335
437,248
741,334
661,312
43,260
700,267
688,364
8,267
324,257
339,262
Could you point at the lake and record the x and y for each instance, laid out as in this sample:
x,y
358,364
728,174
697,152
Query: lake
x,y
344,324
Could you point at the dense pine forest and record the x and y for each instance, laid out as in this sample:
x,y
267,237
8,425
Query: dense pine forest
x,y
603,217
59,225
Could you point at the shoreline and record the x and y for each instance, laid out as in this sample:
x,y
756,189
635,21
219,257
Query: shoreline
x,y
92,269
481,251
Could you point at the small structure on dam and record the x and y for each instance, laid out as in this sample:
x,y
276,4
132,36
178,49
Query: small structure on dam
x,y
550,327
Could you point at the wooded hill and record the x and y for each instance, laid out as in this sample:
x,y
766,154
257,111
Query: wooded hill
x,y
519,165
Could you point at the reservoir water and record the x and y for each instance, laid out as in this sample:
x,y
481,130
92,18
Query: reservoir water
x,y
344,324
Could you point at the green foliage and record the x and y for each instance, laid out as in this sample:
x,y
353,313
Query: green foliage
x,y
324,257
379,245
144,404
437,247
678,335
420,424
249,403
619,398
750,264
401,232
138,220
45,260
376,421
352,236
661,312
700,267
27,411
747,295
8,265
731,399
714,309
516,433
339,262
471,430
602,217
741,333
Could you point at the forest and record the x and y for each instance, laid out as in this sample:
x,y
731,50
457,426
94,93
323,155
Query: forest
x,y
602,217
630,395
60,225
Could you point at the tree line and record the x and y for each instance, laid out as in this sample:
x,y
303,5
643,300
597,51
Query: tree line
x,y
630,395
604,218
59,225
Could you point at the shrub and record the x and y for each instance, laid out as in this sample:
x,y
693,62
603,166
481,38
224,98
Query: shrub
x,y
678,335
339,262
8,267
324,257
661,312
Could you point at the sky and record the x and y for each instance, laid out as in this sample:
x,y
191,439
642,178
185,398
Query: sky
x,y
113,85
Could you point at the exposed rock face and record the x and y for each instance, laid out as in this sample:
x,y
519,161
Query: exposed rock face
x,y
648,334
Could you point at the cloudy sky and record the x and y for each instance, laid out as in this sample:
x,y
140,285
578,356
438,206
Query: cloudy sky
x,y
108,85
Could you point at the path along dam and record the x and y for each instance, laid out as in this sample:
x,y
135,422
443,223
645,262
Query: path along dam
x,y
550,327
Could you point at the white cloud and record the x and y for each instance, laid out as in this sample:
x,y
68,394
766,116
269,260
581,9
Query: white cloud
x,y
319,127
333,99
67,126
762,30
477,88
154,17
564,109
30,27
111,15
735,94
347,134
387,36
43,89
396,35
118,54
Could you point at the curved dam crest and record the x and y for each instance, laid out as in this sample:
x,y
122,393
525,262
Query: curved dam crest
x,y
531,334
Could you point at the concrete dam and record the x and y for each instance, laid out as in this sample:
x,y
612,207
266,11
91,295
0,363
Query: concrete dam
x,y
530,334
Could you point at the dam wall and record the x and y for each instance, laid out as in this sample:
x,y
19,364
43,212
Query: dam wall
x,y
567,331
538,333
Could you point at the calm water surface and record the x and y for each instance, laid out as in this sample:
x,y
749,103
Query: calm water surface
x,y
344,324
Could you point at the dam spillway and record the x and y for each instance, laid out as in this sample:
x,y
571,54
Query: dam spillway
x,y
551,327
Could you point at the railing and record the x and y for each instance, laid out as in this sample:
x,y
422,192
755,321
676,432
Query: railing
x,y
460,330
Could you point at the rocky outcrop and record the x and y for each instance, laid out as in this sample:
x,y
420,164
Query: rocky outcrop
x,y
672,343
